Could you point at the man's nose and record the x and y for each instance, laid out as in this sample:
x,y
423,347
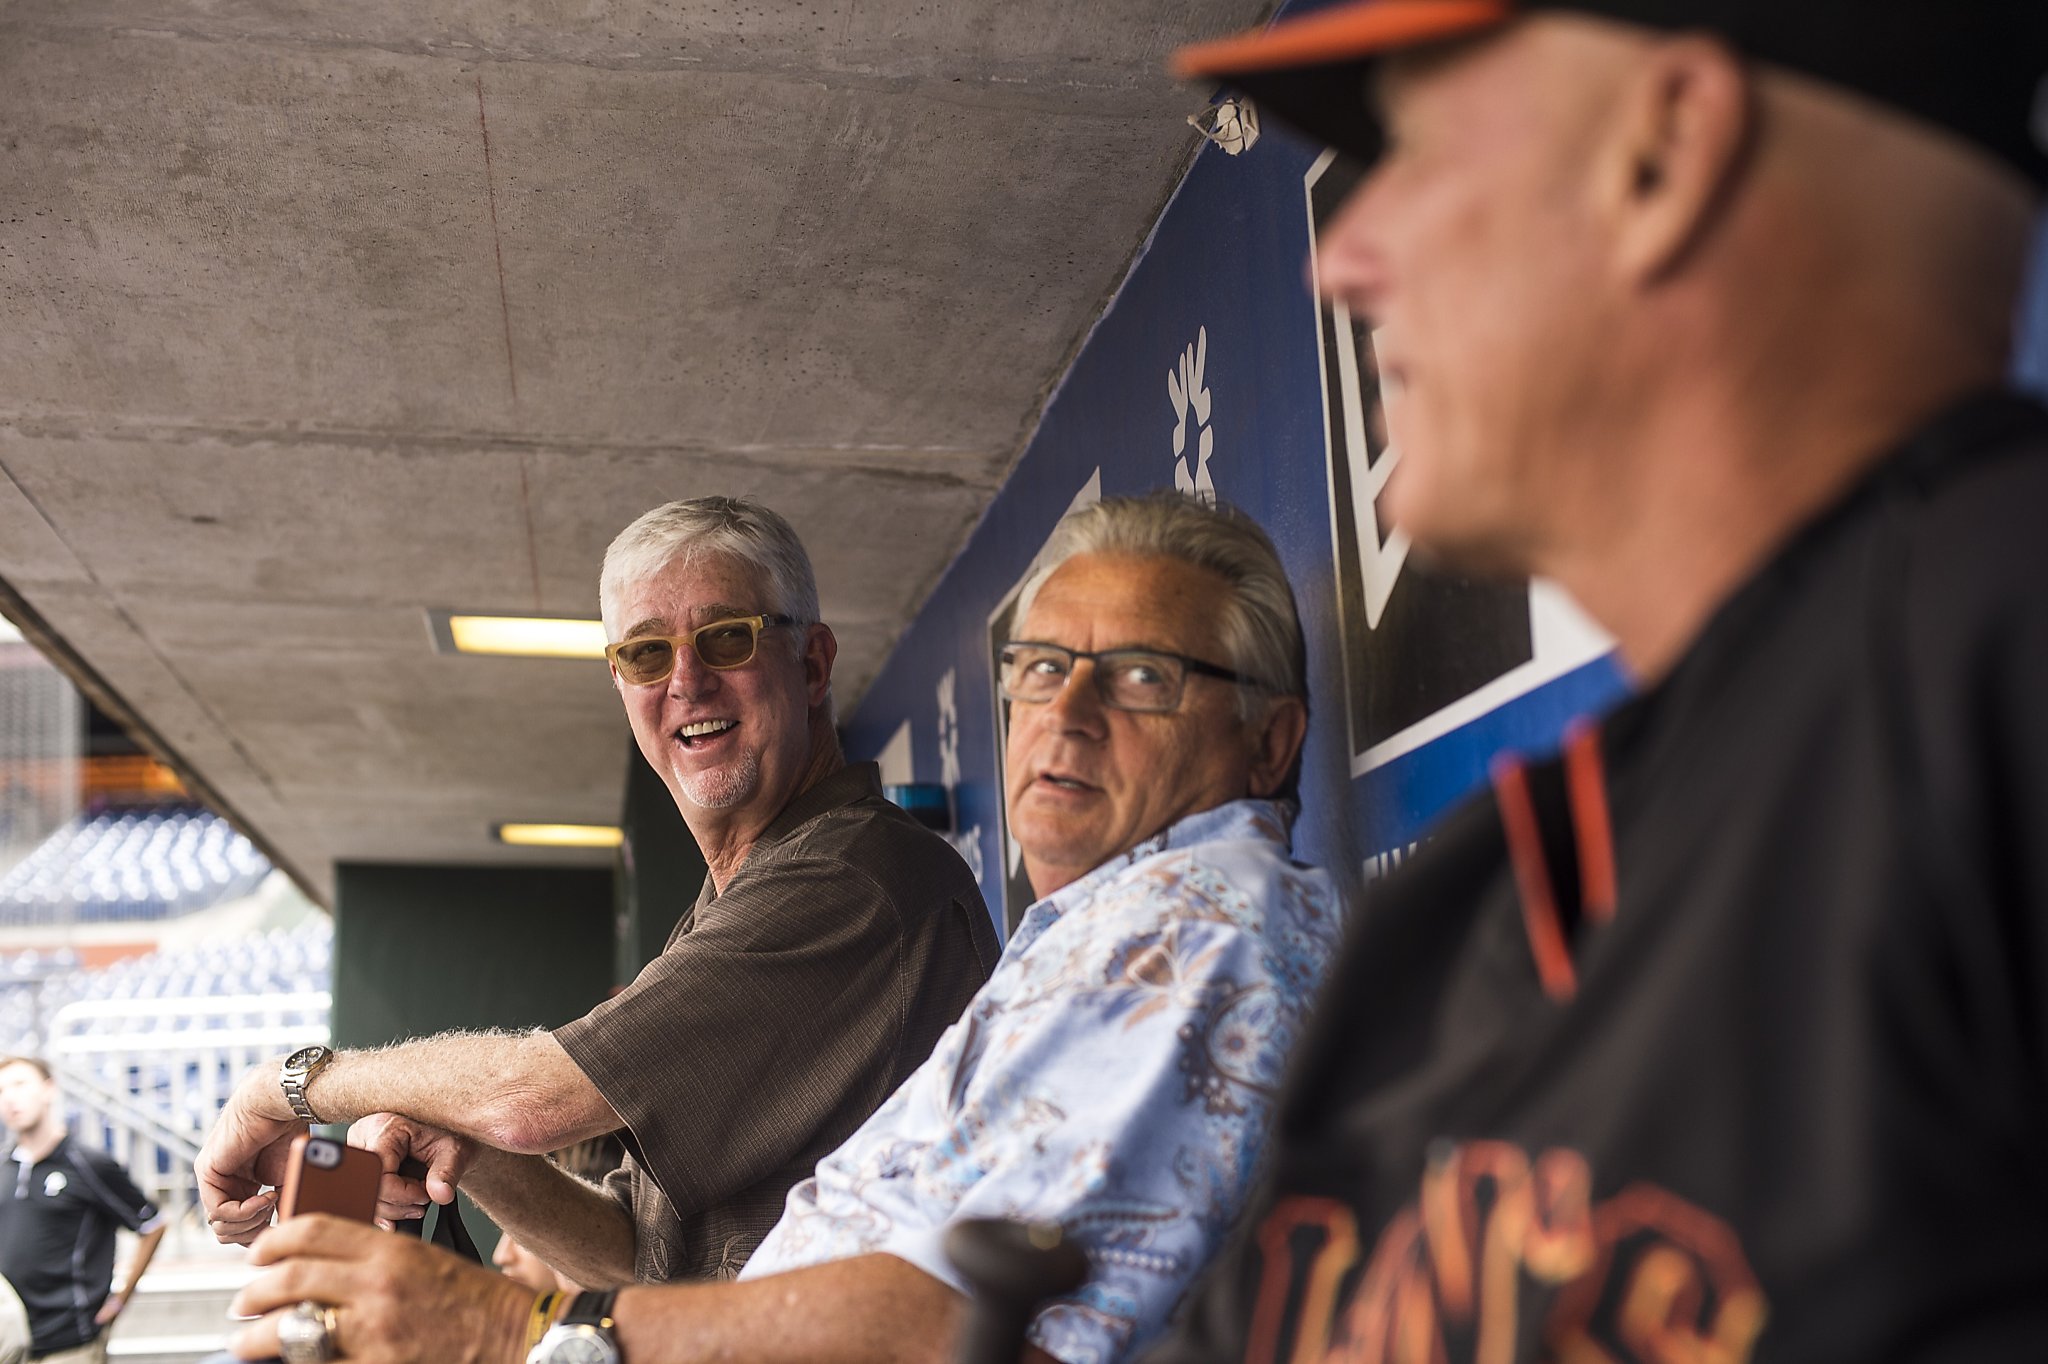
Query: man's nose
x,y
1349,265
1077,706
689,676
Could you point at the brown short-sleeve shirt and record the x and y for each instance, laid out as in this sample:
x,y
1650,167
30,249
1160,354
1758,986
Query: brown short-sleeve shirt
x,y
780,1015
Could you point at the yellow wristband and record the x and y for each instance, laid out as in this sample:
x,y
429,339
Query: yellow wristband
x,y
537,1322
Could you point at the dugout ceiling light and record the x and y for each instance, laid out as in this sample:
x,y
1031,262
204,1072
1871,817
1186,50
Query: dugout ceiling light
x,y
489,632
560,835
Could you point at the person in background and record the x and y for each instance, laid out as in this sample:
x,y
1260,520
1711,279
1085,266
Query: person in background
x,y
58,1217
522,1266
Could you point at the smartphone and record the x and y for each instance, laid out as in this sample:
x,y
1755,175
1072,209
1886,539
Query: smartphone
x,y
326,1176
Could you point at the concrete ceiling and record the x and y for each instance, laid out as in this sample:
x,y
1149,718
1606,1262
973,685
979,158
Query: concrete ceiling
x,y
314,317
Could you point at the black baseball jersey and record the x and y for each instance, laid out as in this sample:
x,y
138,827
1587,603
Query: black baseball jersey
x,y
1720,1037
57,1238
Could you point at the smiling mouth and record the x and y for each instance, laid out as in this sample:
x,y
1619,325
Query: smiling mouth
x,y
1060,783
689,736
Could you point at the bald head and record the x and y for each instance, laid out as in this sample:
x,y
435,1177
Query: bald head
x,y
1639,302
1909,218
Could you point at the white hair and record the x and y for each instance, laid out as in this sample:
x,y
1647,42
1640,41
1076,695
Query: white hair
x,y
729,526
1257,619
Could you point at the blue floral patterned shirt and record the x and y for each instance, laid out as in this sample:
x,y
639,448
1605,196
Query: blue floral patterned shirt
x,y
1116,1075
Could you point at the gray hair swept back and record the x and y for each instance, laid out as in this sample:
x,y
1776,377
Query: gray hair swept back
x,y
687,530
1260,625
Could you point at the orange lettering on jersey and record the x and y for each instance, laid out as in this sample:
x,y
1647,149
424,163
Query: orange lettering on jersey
x,y
1687,1294
1643,1278
1335,1255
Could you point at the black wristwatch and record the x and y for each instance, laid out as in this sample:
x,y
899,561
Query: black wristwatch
x,y
583,1335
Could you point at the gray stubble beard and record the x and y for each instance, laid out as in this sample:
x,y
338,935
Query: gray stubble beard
x,y
723,787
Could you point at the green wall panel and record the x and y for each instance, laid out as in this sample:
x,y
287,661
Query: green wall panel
x,y
660,870
421,949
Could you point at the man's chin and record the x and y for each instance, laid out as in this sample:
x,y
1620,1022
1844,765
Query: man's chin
x,y
1070,851
723,787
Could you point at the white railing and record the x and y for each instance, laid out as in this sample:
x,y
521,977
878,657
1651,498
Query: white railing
x,y
148,1076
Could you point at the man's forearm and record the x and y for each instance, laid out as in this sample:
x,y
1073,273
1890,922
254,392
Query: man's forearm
x,y
404,1303
145,1251
515,1091
873,1309
567,1222
138,1263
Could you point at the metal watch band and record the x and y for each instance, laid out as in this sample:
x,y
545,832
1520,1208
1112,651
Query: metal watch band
x,y
292,1078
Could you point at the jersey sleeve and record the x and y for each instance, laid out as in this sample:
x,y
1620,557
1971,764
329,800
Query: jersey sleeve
x,y
113,1190
752,1030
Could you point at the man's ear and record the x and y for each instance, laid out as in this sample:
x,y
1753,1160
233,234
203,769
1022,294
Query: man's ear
x,y
1276,740
821,647
1681,134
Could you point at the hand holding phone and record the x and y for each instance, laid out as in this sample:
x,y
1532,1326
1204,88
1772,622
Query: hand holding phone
x,y
322,1175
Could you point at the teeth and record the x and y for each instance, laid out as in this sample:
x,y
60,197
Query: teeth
x,y
704,727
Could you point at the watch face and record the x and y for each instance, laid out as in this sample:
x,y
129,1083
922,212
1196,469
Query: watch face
x,y
584,1348
303,1057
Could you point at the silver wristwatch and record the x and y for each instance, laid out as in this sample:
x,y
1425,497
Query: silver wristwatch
x,y
299,1068
582,1336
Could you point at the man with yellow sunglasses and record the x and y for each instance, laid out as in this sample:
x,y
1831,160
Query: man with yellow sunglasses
x,y
834,939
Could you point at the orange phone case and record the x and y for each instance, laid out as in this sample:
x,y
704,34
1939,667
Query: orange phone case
x,y
347,1188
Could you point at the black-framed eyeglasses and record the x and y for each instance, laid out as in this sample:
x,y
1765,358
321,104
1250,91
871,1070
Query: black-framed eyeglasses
x,y
1146,680
645,660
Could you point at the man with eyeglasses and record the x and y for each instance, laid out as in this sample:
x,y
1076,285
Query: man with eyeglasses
x,y
1114,1076
833,941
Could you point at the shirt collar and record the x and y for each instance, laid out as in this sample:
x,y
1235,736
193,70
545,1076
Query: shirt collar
x,y
855,781
21,1156
851,783
1267,821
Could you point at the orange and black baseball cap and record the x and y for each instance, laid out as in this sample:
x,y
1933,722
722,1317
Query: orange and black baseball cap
x,y
1972,67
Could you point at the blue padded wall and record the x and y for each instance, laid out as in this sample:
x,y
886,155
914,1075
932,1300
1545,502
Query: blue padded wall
x,y
1215,366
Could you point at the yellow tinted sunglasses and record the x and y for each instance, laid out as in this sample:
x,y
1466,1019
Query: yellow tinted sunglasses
x,y
645,660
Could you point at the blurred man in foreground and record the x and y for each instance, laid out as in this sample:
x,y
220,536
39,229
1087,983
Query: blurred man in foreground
x,y
1114,1075
57,1223
1721,1037
834,940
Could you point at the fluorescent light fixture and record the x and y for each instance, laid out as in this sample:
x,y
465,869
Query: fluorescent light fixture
x,y
8,634
560,835
484,632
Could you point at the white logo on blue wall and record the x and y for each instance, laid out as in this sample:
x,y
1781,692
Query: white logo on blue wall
x,y
1187,389
966,842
